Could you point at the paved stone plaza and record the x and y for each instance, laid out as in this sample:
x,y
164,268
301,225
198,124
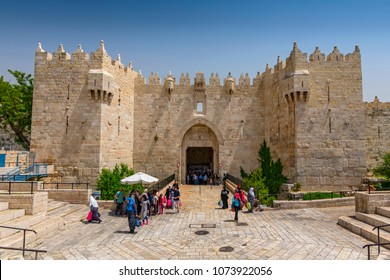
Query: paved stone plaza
x,y
304,234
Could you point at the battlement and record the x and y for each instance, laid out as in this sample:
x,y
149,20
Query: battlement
x,y
100,56
376,105
294,64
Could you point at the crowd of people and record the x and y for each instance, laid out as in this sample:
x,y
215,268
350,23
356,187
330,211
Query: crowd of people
x,y
139,207
202,176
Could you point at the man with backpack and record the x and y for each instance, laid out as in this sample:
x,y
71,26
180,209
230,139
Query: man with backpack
x,y
236,203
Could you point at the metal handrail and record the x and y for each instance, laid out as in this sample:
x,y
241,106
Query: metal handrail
x,y
24,250
162,183
57,184
374,244
379,227
24,234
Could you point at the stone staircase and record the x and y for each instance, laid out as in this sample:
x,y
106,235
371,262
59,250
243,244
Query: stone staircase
x,y
58,216
363,224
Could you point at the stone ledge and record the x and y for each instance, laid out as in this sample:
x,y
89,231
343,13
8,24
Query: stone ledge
x,y
321,203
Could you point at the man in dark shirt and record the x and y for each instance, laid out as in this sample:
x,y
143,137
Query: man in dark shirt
x,y
176,199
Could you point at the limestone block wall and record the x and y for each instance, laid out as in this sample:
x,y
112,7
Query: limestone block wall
x,y
82,120
35,203
377,125
71,196
330,134
162,120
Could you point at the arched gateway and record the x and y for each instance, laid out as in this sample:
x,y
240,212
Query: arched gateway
x,y
199,147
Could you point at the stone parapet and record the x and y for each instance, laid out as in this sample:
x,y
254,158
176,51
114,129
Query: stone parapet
x,y
368,202
33,203
71,196
321,203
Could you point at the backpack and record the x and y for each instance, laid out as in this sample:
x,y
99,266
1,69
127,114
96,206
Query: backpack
x,y
236,202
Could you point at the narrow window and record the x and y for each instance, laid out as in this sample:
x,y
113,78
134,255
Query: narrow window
x,y
199,107
67,124
330,125
328,93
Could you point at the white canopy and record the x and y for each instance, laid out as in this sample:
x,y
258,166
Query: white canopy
x,y
139,177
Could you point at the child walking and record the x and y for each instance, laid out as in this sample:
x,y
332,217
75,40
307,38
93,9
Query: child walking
x,y
161,202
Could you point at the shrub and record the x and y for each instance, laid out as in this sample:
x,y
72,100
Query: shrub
x,y
109,181
297,187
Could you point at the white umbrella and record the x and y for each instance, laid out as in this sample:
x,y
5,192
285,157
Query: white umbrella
x,y
139,177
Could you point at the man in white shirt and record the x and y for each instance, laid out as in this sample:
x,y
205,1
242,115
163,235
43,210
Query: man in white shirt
x,y
93,205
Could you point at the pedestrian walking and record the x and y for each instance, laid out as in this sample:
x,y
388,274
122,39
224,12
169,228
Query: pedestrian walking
x,y
94,207
224,198
119,198
236,204
131,212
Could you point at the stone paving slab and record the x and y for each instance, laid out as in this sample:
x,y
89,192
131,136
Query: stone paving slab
x,y
301,234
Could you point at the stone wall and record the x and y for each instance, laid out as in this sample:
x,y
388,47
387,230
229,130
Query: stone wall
x,y
377,116
33,203
71,196
82,112
91,113
367,203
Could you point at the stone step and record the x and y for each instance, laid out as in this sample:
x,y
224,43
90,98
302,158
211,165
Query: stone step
x,y
42,229
374,220
384,255
10,214
26,221
383,211
53,205
4,206
63,210
361,228
80,214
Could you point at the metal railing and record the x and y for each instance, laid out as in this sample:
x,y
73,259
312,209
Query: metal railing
x,y
59,186
233,179
24,242
379,244
11,183
37,170
162,183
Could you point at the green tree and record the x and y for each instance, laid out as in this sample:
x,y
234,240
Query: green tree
x,y
384,168
272,171
255,179
109,181
267,178
16,106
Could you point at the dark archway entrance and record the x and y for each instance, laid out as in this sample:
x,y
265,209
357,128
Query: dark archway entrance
x,y
200,160
199,152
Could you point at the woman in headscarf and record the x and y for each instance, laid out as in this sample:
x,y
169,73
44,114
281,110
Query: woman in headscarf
x,y
251,199
224,198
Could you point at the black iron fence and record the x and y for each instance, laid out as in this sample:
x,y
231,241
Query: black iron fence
x,y
162,183
18,187
65,186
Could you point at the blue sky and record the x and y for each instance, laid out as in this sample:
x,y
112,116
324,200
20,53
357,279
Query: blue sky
x,y
211,36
